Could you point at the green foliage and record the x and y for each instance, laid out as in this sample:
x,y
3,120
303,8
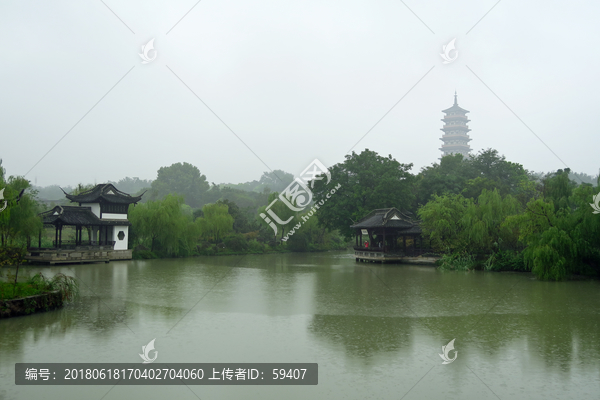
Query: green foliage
x,y
216,222
143,255
164,226
364,182
505,260
447,177
564,239
457,225
19,221
242,220
456,175
440,222
256,247
12,255
236,242
282,211
557,187
457,262
39,284
181,179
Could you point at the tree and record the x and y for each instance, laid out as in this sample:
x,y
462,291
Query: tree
x,y
550,251
241,222
132,185
447,177
282,211
362,183
557,187
482,223
163,225
440,222
216,222
183,179
276,180
564,239
20,220
506,175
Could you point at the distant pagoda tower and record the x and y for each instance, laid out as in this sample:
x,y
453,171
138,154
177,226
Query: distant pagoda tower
x,y
456,132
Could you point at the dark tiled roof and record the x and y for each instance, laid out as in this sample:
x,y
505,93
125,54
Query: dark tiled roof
x,y
72,215
104,192
386,217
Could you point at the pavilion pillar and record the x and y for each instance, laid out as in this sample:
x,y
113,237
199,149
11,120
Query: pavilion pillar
x,y
60,237
40,240
56,236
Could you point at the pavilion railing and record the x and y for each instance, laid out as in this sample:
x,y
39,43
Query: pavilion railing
x,y
409,252
72,244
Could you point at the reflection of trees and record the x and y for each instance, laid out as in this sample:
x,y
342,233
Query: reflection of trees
x,y
363,336
14,332
491,315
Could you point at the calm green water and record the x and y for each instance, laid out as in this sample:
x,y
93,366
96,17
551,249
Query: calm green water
x,y
374,330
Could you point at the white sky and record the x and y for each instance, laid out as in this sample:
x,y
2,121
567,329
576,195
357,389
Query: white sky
x,y
295,80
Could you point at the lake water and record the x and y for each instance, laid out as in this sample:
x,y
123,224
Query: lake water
x,y
374,330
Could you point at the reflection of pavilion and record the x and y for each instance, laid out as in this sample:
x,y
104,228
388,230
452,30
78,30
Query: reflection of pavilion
x,y
102,214
391,235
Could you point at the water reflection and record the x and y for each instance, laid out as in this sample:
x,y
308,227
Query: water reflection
x,y
329,307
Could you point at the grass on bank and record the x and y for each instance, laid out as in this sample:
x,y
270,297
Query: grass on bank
x,y
39,284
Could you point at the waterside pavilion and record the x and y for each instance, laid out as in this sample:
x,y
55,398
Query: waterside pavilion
x,y
392,236
102,214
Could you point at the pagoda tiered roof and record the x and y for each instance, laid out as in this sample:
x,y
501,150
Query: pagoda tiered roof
x,y
105,193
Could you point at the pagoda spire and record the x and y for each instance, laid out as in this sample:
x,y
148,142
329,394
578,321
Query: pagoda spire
x,y
455,101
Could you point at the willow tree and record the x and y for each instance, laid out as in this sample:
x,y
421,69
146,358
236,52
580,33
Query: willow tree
x,y
560,239
441,222
162,225
216,222
550,251
19,221
483,219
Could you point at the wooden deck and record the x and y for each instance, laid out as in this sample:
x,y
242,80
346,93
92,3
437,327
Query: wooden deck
x,y
379,255
77,255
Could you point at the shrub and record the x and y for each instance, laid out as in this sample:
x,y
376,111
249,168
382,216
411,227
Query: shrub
x,y
256,247
457,262
236,242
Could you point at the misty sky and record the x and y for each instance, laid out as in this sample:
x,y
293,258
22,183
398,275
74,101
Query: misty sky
x,y
295,80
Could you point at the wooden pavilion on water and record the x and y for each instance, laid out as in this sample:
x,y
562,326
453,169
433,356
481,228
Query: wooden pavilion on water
x,y
101,214
390,235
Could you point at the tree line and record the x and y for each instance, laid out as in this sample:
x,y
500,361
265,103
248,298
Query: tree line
x,y
479,212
